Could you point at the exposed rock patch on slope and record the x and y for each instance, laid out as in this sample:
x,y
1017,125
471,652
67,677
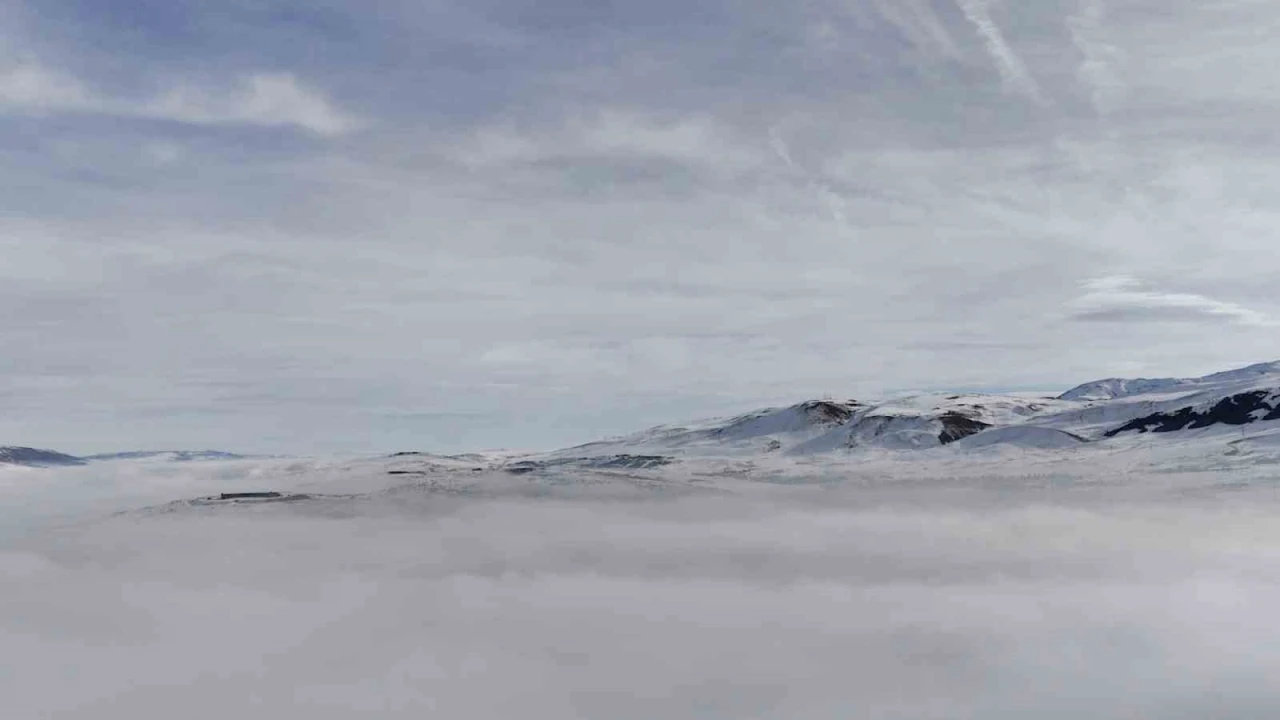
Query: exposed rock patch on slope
x,y
1242,409
958,427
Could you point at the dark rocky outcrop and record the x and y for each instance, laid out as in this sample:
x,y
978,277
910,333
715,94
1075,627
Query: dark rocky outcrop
x,y
958,427
608,462
1242,409
829,413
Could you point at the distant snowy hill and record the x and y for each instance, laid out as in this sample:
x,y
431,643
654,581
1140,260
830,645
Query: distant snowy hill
x,y
33,457
1240,405
767,430
1113,388
168,455
1094,412
817,427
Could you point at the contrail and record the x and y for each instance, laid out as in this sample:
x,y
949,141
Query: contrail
x,y
917,22
828,197
780,148
1088,32
1012,71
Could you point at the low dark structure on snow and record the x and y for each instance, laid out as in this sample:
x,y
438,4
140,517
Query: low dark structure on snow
x,y
251,496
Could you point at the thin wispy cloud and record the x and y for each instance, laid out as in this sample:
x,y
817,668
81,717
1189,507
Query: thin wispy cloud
x,y
918,22
260,99
821,189
265,99
33,88
609,135
1120,298
1087,26
1011,67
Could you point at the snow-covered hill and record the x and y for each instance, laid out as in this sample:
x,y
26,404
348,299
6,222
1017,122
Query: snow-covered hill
x,y
33,457
1104,413
762,431
167,456
1113,388
1096,412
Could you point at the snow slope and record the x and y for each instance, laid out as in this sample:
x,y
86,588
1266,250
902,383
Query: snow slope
x,y
1113,388
1099,411
767,430
1022,436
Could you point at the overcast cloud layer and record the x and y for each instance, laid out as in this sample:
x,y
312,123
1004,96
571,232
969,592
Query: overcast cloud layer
x,y
1054,597
335,225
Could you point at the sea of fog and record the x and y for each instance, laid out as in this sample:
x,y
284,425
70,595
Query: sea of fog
x,y
982,598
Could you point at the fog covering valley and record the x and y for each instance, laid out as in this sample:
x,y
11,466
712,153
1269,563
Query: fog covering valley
x,y
1130,576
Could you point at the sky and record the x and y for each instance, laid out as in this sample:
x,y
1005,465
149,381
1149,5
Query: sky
x,y
339,226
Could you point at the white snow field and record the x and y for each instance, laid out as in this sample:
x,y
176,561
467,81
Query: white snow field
x,y
829,560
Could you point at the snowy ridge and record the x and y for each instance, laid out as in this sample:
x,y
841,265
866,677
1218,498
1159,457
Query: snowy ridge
x,y
767,430
1022,436
1115,388
1112,412
1095,412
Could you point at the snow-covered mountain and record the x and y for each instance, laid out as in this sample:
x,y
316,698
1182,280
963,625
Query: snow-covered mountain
x,y
1091,413
1244,402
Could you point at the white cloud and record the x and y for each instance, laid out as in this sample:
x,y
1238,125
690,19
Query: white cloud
x,y
162,153
266,99
615,134
991,597
1121,298
261,99
32,88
